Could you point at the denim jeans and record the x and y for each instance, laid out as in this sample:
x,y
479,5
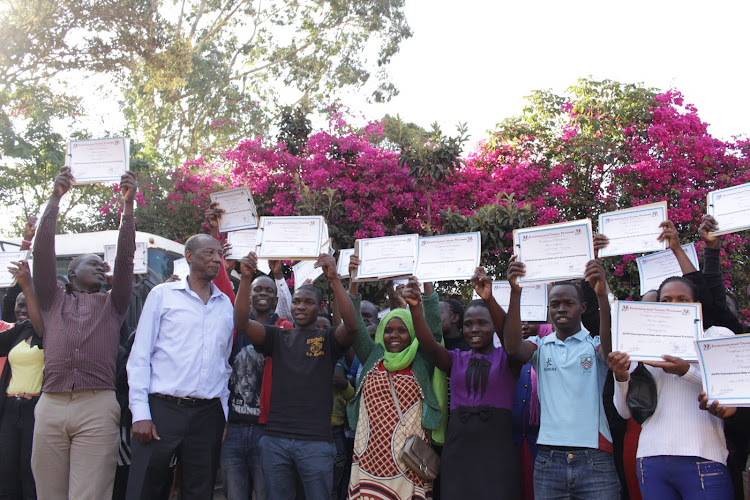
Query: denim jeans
x,y
579,474
686,478
313,461
241,467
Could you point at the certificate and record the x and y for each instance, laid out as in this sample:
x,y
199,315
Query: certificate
x,y
633,230
7,279
731,208
533,300
304,270
655,268
342,266
293,238
243,242
239,209
554,252
140,258
448,257
98,160
386,257
648,330
725,369
181,268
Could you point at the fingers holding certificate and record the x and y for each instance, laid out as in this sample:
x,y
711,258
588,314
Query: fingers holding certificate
x,y
731,208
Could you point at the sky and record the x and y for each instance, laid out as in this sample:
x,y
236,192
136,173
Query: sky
x,y
475,60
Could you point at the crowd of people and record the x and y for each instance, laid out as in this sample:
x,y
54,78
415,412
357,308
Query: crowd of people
x,y
292,397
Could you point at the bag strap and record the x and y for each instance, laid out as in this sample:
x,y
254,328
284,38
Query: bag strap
x,y
395,398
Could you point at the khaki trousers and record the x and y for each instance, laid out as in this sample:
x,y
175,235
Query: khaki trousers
x,y
76,441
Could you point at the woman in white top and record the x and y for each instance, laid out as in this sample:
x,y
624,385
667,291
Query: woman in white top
x,y
682,452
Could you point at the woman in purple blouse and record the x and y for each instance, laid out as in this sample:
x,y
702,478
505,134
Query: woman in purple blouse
x,y
479,460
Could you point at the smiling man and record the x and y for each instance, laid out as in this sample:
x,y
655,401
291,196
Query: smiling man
x,y
77,427
178,372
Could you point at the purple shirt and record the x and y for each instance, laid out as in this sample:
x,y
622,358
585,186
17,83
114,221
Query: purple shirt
x,y
479,380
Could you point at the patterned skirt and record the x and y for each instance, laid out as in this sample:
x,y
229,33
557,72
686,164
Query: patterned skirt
x,y
377,471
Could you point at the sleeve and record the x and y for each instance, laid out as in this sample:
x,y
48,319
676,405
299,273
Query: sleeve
x,y
267,347
139,363
6,339
715,293
620,398
431,305
45,265
694,375
536,342
363,344
9,303
122,276
283,300
224,283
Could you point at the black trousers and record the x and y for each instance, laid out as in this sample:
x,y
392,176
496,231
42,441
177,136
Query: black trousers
x,y
194,435
16,435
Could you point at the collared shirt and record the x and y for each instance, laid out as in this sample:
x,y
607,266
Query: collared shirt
x,y
570,379
82,329
181,347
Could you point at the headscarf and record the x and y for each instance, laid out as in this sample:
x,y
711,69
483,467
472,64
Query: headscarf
x,y
395,361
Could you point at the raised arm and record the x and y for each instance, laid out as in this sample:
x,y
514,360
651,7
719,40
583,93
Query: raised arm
x,y
45,264
122,277
353,265
23,277
349,318
242,322
596,277
513,343
283,294
670,235
436,352
483,286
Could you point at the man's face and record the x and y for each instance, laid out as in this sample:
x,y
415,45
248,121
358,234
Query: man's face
x,y
263,295
205,260
565,308
305,307
90,274
21,310
369,312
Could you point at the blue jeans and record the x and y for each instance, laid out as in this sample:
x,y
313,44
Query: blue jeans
x,y
687,478
313,461
241,466
581,474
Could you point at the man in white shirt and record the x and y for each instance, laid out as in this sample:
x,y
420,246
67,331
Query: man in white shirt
x,y
178,374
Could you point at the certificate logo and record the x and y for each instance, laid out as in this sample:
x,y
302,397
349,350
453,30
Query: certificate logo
x,y
470,238
577,232
524,237
654,213
706,347
625,307
587,362
423,243
685,312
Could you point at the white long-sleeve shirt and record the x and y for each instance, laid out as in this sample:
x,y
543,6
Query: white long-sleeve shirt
x,y
181,347
678,426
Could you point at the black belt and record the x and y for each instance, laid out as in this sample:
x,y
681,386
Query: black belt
x,y
187,402
563,448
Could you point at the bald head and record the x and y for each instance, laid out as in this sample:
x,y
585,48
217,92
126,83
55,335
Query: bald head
x,y
369,312
203,254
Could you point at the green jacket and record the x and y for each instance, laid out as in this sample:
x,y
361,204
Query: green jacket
x,y
370,354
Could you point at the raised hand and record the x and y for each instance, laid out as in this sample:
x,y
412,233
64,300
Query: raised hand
x,y
516,270
600,241
482,283
248,265
276,270
596,276
213,214
709,225
619,363
354,263
63,182
669,234
128,186
411,293
22,273
328,263
29,229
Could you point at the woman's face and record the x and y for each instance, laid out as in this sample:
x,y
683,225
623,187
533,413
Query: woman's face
x,y
396,336
676,291
478,328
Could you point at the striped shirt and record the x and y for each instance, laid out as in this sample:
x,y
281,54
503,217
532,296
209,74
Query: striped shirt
x,y
82,329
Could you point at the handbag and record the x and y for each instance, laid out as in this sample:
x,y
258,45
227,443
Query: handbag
x,y
417,454
641,399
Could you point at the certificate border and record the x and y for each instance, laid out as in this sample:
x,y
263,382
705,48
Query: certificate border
x,y
255,247
341,253
710,209
546,299
662,205
229,229
449,277
698,325
135,270
549,279
261,230
26,256
298,283
704,375
99,179
639,262
357,251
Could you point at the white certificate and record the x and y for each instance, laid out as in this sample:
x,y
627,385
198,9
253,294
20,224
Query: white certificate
x,y
725,369
7,279
239,209
342,266
648,330
533,300
633,230
731,208
98,160
243,242
655,268
294,238
448,257
386,257
554,252
305,270
140,258
181,268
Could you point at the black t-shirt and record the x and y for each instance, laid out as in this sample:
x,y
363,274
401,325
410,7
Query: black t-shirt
x,y
302,390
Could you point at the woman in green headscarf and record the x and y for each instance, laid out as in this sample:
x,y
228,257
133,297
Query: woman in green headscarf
x,y
394,357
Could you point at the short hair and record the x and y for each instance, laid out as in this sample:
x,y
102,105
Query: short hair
x,y
579,289
194,242
679,279
262,276
315,290
456,308
475,303
77,262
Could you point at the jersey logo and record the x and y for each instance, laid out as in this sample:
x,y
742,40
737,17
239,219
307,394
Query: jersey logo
x,y
587,362
316,347
548,366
